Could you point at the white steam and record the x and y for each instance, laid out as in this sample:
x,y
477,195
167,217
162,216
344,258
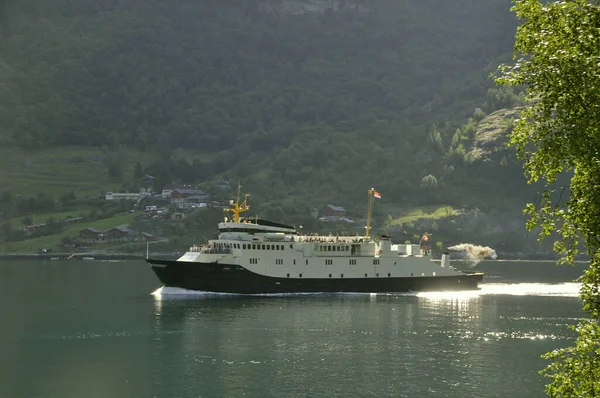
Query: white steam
x,y
473,253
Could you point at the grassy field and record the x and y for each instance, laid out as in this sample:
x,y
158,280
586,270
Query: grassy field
x,y
43,218
58,170
426,212
54,242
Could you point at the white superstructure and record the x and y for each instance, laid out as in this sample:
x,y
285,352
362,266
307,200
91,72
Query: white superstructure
x,y
253,256
277,250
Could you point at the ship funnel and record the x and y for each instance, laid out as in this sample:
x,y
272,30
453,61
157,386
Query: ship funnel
x,y
445,260
385,245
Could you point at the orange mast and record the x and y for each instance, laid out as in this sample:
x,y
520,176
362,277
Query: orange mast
x,y
371,193
238,207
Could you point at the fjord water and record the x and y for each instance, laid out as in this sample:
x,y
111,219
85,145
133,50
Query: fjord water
x,y
93,329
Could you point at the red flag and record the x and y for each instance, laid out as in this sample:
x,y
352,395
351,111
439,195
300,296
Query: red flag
x,y
377,194
425,237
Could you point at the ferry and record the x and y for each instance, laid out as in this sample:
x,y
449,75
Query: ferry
x,y
255,256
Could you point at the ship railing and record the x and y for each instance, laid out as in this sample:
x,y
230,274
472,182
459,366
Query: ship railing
x,y
216,250
331,239
210,249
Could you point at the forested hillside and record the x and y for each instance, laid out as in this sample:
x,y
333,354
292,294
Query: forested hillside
x,y
304,101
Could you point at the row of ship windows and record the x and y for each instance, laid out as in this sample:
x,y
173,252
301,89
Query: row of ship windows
x,y
334,248
342,275
255,246
279,261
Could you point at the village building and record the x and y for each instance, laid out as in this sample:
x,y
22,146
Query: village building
x,y
92,235
147,236
154,200
177,216
166,192
333,212
69,243
31,229
110,196
183,195
120,234
222,184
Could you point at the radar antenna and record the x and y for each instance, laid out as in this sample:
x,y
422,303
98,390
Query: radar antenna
x,y
238,207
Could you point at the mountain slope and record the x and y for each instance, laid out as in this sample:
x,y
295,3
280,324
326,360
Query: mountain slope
x,y
305,89
305,102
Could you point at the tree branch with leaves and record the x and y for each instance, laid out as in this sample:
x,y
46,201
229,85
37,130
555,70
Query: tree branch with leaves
x,y
557,52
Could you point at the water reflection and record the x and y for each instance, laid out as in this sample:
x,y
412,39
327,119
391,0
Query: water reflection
x,y
449,339
473,314
93,330
568,289
470,315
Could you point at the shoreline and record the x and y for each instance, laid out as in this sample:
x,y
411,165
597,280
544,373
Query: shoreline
x,y
175,255
72,256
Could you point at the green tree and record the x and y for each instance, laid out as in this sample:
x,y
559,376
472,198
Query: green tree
x,y
53,226
115,162
478,114
389,222
429,181
558,46
68,198
7,233
138,172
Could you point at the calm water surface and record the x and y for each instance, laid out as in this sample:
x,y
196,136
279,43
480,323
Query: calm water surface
x,y
93,329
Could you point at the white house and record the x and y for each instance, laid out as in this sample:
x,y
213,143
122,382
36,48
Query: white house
x,y
127,195
166,193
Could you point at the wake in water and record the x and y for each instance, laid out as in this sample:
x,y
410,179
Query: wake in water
x,y
473,253
567,289
176,292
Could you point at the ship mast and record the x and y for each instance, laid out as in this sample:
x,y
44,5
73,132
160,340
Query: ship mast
x,y
238,207
368,228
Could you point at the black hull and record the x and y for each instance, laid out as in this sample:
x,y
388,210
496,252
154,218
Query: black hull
x,y
213,277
